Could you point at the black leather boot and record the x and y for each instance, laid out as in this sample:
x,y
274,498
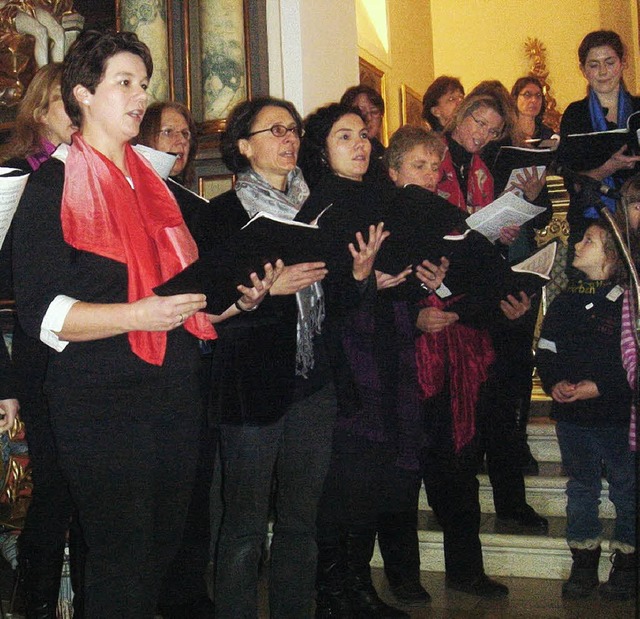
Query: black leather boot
x,y
622,583
363,597
583,580
331,598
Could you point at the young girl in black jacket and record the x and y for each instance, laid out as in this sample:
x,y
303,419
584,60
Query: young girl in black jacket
x,y
580,364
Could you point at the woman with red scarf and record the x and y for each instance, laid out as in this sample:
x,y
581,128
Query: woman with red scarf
x,y
96,230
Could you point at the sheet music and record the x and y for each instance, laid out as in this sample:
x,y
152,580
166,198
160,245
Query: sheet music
x,y
507,210
11,188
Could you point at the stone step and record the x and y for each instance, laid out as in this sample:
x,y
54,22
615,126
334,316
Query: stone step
x,y
518,555
545,493
542,440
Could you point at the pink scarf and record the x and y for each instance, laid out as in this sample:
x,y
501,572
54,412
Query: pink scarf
x,y
143,229
463,353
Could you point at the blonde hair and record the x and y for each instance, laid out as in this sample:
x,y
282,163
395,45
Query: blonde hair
x,y
29,130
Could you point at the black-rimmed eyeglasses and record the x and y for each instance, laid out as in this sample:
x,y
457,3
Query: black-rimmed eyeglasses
x,y
280,131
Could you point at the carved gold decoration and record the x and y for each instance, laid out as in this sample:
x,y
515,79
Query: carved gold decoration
x,y
556,230
537,53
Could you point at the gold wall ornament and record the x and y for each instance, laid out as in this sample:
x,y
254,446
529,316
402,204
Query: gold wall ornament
x,y
537,53
24,49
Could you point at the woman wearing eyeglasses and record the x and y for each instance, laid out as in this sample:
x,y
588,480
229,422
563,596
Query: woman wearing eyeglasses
x,y
169,127
530,102
273,422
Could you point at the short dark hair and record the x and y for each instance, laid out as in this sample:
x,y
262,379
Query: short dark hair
x,y
442,85
351,94
312,159
240,123
86,61
408,137
600,38
152,124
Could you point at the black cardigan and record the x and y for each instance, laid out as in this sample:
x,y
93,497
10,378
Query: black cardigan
x,y
253,372
46,266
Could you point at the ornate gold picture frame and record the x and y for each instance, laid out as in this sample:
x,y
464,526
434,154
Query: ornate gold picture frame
x,y
372,76
411,106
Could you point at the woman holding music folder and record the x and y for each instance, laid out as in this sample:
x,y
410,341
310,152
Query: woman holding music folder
x,y
608,105
370,339
270,391
96,230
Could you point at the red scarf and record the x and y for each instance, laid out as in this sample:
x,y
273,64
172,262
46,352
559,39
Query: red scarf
x,y
143,229
479,186
463,353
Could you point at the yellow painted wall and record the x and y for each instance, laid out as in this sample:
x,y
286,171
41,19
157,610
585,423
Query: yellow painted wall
x,y
484,39
410,56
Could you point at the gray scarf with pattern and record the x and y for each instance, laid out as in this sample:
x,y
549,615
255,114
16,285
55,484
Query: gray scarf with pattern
x,y
255,195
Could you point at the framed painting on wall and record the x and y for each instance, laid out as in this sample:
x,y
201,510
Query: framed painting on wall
x,y
219,76
411,105
211,186
372,76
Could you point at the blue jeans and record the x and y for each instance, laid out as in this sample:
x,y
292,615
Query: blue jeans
x,y
583,451
296,449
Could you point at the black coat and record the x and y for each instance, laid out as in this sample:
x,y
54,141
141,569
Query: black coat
x,y
254,356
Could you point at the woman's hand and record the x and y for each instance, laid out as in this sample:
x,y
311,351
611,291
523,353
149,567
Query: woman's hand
x,y
254,295
617,161
564,391
530,182
8,413
433,319
164,313
514,308
432,275
365,254
509,234
296,277
384,280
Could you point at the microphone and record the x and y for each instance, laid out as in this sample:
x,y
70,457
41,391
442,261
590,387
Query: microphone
x,y
586,181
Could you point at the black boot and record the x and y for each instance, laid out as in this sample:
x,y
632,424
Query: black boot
x,y
363,597
623,577
583,580
398,542
331,598
40,584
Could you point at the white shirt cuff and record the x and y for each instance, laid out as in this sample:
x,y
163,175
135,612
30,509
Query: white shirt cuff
x,y
54,321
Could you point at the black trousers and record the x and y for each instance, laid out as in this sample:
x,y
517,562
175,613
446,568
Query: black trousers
x,y
130,458
452,491
184,582
51,508
501,427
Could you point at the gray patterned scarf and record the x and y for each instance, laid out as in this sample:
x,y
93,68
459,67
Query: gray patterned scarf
x,y
255,195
